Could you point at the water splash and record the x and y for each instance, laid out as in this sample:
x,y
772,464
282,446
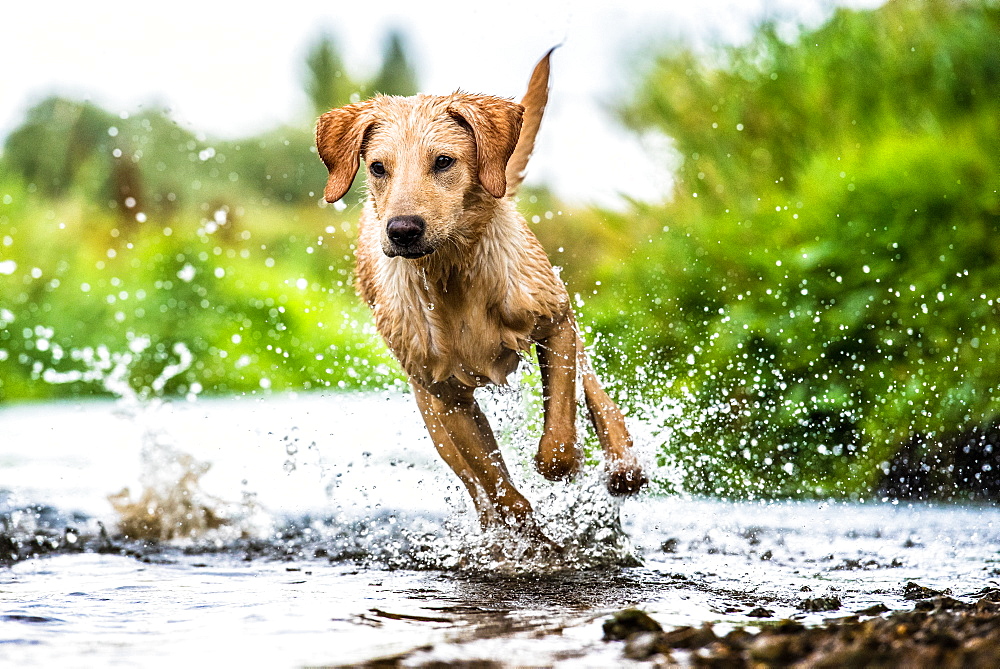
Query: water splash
x,y
112,372
580,517
582,521
172,504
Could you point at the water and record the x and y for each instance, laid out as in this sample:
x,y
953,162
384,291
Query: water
x,y
318,530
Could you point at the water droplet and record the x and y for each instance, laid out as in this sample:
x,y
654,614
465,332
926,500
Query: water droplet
x,y
187,273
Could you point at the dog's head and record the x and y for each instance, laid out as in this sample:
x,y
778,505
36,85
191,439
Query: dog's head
x,y
431,160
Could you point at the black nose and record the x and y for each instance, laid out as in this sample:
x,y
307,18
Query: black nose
x,y
404,230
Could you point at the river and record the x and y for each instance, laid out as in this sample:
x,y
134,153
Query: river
x,y
322,531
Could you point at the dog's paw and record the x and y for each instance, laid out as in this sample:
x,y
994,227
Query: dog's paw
x,y
538,543
522,539
557,464
625,477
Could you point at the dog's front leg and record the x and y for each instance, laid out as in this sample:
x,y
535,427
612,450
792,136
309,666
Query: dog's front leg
x,y
452,456
470,448
558,455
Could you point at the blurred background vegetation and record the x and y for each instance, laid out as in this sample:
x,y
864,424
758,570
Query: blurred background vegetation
x,y
813,312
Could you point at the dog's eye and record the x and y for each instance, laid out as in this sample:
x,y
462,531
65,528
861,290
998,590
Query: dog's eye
x,y
442,163
377,169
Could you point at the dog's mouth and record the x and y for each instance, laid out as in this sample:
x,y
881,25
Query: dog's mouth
x,y
409,252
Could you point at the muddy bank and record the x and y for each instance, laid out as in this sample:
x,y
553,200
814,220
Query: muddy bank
x,y
940,631
937,632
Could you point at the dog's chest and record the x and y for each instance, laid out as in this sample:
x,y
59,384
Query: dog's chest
x,y
440,330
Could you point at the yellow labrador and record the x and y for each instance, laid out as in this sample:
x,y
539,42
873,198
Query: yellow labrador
x,y
460,287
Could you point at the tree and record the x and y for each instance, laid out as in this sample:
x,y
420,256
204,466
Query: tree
x,y
55,141
327,83
396,76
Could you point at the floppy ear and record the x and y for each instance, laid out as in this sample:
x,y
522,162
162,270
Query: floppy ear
x,y
496,125
339,134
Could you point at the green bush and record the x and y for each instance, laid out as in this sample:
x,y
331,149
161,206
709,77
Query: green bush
x,y
823,286
257,300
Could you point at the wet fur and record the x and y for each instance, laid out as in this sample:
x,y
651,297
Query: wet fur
x,y
460,304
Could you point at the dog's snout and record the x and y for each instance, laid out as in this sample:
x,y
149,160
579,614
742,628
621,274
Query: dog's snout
x,y
404,236
404,230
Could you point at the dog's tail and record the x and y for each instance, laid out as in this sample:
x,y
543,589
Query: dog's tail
x,y
534,102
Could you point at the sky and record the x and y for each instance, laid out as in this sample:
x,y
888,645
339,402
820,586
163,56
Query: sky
x,y
230,70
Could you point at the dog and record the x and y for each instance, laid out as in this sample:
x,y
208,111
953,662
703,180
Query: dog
x,y
459,286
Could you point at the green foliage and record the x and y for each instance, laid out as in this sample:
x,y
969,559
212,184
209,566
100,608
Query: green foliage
x,y
129,244
258,299
825,279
